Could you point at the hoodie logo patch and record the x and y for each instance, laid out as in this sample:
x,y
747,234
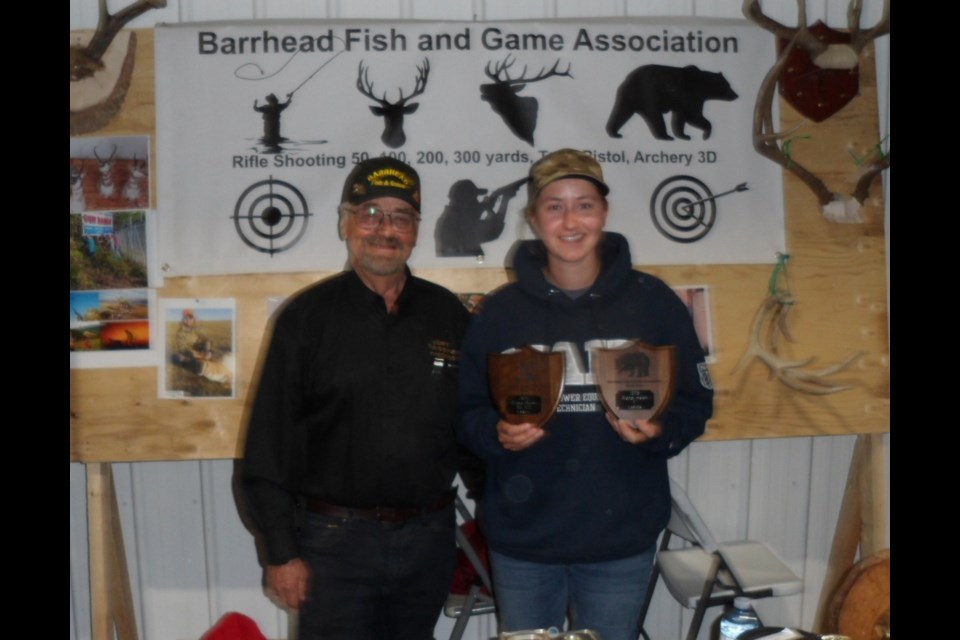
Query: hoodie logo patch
x,y
705,379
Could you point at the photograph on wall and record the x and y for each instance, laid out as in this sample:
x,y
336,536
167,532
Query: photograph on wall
x,y
111,297
112,328
259,123
109,173
697,299
199,346
108,250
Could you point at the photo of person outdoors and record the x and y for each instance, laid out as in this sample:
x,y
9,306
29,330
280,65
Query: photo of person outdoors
x,y
572,510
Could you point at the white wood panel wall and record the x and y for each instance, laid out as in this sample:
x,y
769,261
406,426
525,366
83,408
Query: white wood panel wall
x,y
190,557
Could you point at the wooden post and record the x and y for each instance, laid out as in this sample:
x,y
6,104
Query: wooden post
x,y
861,523
111,601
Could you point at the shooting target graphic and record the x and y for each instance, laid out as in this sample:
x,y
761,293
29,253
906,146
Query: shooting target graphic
x,y
271,216
683,208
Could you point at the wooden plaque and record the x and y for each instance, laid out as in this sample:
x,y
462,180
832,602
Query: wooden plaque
x,y
636,381
526,385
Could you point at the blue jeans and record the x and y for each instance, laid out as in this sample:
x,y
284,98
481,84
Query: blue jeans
x,y
376,581
601,596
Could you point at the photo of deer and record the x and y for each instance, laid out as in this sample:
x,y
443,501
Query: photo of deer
x,y
109,174
198,339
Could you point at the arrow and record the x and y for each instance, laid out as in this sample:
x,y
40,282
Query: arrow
x,y
740,187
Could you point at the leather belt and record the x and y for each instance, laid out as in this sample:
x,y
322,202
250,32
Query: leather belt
x,y
377,514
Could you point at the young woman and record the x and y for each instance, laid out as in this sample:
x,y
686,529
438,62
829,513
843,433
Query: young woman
x,y
572,510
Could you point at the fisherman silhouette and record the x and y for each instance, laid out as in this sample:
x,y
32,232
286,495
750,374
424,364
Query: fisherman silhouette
x,y
467,221
271,119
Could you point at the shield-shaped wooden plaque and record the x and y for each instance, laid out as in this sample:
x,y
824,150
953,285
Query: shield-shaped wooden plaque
x,y
636,381
526,385
814,92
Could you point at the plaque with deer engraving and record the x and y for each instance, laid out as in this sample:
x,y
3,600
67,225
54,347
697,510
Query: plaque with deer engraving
x,y
636,381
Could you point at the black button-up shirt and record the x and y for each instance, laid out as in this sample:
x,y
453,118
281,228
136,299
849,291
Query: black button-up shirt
x,y
354,406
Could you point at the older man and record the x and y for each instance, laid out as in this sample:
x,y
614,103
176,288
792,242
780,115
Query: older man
x,y
350,450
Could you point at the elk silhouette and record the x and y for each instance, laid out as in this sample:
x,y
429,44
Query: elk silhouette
x,y
393,112
518,112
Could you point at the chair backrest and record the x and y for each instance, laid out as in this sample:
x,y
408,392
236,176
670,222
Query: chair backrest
x,y
686,522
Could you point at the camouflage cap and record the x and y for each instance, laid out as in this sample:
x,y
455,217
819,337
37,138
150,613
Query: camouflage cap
x,y
382,178
565,163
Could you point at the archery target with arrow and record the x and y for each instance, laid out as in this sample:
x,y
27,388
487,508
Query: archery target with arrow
x,y
683,208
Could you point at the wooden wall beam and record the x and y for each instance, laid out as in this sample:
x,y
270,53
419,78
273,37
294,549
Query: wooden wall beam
x,y
111,600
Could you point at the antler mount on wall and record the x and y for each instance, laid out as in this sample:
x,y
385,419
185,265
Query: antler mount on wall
x,y
101,66
818,74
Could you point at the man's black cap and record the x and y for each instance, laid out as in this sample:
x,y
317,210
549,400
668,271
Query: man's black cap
x,y
382,178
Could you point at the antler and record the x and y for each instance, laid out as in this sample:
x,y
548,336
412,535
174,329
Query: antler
x,y
366,87
770,321
837,207
832,56
859,38
863,184
809,42
507,63
108,160
85,61
767,141
421,83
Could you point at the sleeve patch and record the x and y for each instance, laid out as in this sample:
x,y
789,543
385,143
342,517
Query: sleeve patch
x,y
704,372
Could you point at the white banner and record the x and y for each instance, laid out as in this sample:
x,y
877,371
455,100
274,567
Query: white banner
x,y
260,122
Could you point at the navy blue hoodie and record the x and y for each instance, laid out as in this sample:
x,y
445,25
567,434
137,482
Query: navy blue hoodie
x,y
581,494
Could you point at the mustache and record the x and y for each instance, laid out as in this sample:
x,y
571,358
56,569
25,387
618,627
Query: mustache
x,y
389,242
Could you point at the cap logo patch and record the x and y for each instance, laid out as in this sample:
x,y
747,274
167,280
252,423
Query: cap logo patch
x,y
393,178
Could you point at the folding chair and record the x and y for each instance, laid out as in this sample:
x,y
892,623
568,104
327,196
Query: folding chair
x,y
478,599
708,573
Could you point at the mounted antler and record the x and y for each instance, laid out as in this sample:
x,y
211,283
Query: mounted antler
x,y
766,140
86,60
769,324
825,56
100,74
836,207
393,112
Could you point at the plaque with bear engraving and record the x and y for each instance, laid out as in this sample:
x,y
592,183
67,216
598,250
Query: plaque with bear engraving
x,y
636,381
526,385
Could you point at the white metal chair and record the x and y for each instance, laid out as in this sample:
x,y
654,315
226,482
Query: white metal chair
x,y
477,600
708,573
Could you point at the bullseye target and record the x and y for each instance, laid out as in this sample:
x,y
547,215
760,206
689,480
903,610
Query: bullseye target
x,y
683,208
271,216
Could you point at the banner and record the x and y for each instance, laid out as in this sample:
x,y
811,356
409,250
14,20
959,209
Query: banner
x,y
260,122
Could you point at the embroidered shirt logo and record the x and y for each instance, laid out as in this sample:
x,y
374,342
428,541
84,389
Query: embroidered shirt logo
x,y
444,355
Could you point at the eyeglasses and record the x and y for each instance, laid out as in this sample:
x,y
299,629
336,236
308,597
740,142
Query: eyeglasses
x,y
371,218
